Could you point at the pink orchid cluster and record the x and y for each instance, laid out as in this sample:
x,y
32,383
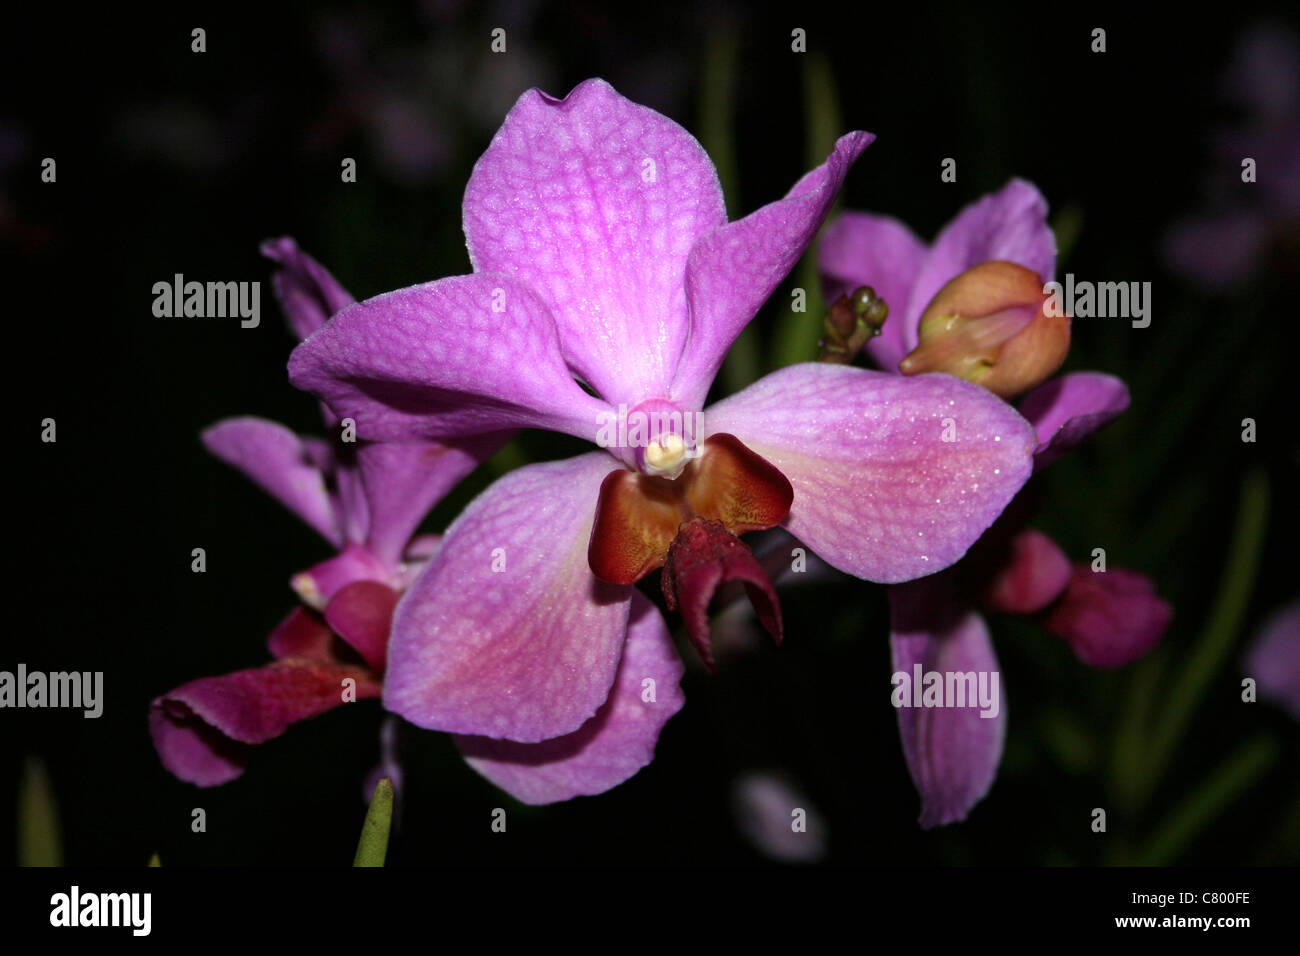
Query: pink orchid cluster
x,y
607,284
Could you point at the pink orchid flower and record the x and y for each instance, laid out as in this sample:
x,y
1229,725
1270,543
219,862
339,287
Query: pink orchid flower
x,y
608,284
1108,619
366,500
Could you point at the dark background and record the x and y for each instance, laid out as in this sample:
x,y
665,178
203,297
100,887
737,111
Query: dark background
x,y
169,161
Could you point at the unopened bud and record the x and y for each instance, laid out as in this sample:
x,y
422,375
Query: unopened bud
x,y
988,326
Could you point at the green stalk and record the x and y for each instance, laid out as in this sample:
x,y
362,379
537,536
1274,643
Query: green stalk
x,y
373,846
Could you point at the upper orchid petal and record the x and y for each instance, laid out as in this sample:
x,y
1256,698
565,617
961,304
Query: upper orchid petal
x,y
1067,409
278,462
201,729
403,480
858,249
1009,225
1274,659
894,478
507,633
445,359
306,290
610,747
732,271
595,202
952,752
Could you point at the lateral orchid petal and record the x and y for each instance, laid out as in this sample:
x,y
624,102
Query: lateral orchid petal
x,y
733,271
1068,409
893,478
611,746
202,729
278,462
446,359
507,633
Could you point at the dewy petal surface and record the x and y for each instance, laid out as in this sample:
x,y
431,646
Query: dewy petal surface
x,y
526,652
403,480
595,202
610,747
732,271
878,492
1069,408
198,727
860,248
446,359
952,753
278,462
1010,224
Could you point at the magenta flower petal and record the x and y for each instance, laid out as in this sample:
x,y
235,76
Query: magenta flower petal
x,y
445,359
362,614
1034,574
1274,659
952,753
732,271
402,481
507,633
1010,224
278,462
610,747
1109,618
198,728
1066,410
302,634
319,583
878,492
306,290
863,249
595,202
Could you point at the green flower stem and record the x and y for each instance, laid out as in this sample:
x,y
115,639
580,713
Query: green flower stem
x,y
1216,639
373,846
1203,805
40,841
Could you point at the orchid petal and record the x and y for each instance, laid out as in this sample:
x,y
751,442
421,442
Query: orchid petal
x,y
610,747
1109,618
953,752
404,480
595,202
734,270
1010,225
1066,410
277,461
201,729
307,292
446,359
1033,573
878,491
507,633
1274,659
859,249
